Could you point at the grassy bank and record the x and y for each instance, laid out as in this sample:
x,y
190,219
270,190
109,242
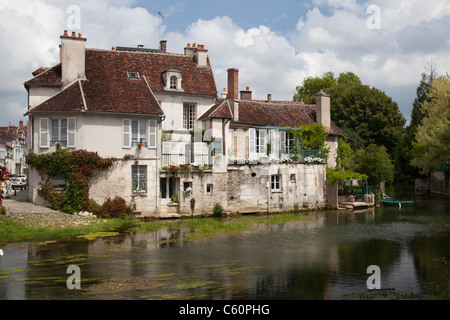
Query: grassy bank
x,y
208,227
15,231
12,230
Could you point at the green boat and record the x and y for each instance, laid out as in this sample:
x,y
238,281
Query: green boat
x,y
396,203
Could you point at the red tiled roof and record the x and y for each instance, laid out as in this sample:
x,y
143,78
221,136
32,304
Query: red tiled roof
x,y
259,113
69,99
50,76
108,89
220,110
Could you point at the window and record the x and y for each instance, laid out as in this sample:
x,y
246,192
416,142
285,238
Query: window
x,y
138,132
209,188
188,116
261,142
287,143
293,179
52,131
135,132
133,75
173,82
139,178
275,182
59,132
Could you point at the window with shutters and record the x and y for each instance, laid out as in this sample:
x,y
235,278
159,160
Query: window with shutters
x,y
53,132
136,132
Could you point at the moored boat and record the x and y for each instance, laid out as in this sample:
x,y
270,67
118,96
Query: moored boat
x,y
396,203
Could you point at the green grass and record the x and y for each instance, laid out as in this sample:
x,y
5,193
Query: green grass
x,y
207,227
13,231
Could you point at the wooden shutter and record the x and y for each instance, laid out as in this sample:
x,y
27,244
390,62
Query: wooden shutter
x,y
152,134
252,143
44,140
126,133
71,132
272,154
283,151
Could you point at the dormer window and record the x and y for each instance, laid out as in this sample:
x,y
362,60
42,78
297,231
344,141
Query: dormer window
x,y
133,75
172,79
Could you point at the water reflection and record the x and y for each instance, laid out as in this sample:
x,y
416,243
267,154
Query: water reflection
x,y
322,259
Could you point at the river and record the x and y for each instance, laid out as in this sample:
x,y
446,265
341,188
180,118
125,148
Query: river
x,y
323,259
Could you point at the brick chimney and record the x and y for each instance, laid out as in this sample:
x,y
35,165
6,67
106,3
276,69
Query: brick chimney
x,y
233,84
233,92
163,46
323,110
246,94
73,57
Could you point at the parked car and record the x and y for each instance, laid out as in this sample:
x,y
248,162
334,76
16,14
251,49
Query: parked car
x,y
19,183
25,179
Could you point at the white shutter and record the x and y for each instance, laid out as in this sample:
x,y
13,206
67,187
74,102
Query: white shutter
x,y
126,133
252,143
71,132
272,154
152,134
43,133
283,151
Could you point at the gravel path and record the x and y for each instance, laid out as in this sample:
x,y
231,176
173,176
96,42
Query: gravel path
x,y
35,216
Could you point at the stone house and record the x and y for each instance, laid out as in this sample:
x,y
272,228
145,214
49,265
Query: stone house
x,y
180,148
13,148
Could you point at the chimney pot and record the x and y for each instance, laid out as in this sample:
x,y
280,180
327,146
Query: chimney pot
x,y
188,45
73,34
269,98
65,32
79,35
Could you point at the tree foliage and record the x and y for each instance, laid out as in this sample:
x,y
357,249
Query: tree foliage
x,y
372,115
344,156
404,151
375,162
368,114
432,149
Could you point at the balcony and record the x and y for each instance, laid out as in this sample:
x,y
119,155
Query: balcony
x,y
243,156
177,153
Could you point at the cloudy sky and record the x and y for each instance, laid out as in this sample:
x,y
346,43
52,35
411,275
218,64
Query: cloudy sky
x,y
274,44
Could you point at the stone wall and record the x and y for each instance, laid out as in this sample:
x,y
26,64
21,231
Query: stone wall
x,y
436,183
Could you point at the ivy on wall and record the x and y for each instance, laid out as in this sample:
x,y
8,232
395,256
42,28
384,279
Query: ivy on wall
x,y
77,168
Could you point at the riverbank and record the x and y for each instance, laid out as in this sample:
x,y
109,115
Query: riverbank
x,y
25,221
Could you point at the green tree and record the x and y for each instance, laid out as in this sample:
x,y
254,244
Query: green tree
x,y
432,149
366,114
372,115
375,162
403,152
344,156
312,85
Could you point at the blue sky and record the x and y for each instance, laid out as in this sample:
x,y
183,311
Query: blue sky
x,y
274,44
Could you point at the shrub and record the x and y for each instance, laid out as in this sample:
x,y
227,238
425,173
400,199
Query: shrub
x,y
115,208
218,209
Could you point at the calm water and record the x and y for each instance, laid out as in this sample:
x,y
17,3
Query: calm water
x,y
323,259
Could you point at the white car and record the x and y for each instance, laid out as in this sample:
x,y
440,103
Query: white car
x,y
19,183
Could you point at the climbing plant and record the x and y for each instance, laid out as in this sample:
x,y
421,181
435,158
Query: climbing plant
x,y
5,183
77,168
